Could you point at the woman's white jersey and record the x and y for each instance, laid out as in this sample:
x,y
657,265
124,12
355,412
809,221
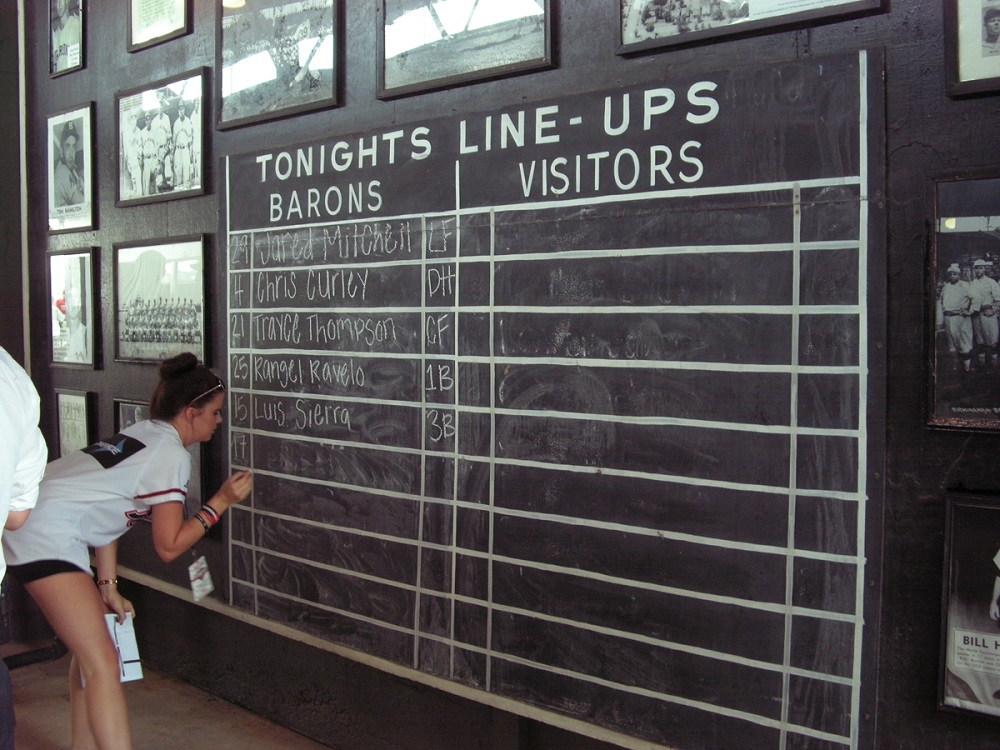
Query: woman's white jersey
x,y
91,497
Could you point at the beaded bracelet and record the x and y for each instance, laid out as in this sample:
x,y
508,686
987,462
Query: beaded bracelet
x,y
202,521
106,581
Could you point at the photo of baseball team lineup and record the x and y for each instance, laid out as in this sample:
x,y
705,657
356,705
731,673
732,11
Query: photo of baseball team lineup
x,y
966,307
160,141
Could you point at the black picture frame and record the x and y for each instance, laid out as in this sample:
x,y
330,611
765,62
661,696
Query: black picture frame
x,y
969,666
162,148
644,28
128,412
67,36
972,53
964,305
70,169
74,325
152,22
159,298
276,61
74,419
469,47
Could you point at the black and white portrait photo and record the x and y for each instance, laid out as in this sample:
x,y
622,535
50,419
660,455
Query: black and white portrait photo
x,y
430,45
972,43
160,137
970,668
70,170
160,299
65,36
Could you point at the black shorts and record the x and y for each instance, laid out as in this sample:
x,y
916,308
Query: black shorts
x,y
34,571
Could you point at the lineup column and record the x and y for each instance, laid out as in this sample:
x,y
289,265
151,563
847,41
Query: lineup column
x,y
240,247
475,440
439,298
240,345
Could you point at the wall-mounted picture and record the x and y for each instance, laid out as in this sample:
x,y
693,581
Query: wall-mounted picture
x,y
70,170
66,37
970,633
965,295
128,412
161,130
972,46
71,307
154,21
431,45
275,59
73,411
650,24
160,299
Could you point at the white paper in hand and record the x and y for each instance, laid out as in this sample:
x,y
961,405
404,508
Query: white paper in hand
x,y
123,636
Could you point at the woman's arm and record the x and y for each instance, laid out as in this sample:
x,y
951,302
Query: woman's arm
x,y
16,519
173,536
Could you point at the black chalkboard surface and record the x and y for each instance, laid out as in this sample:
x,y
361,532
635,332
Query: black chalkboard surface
x,y
565,403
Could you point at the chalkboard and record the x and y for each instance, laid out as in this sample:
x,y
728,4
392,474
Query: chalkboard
x,y
566,402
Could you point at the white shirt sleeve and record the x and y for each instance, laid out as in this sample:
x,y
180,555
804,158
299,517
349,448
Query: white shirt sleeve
x,y
24,451
165,478
28,472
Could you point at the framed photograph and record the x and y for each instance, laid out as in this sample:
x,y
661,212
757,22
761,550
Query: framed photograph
x,y
970,632
276,58
965,299
160,299
423,46
155,21
73,412
651,24
66,36
972,46
161,130
71,307
128,412
71,169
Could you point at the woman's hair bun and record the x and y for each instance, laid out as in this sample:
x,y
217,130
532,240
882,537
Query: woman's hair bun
x,y
177,366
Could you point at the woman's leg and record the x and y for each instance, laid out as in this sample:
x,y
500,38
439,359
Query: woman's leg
x,y
73,607
83,738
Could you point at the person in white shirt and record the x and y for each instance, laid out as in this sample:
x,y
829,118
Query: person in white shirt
x,y
956,306
23,454
89,498
161,132
985,327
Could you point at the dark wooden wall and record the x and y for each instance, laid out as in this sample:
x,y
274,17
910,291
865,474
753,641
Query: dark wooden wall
x,y
11,302
928,136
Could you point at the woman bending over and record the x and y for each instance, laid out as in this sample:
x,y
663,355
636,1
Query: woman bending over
x,y
91,497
